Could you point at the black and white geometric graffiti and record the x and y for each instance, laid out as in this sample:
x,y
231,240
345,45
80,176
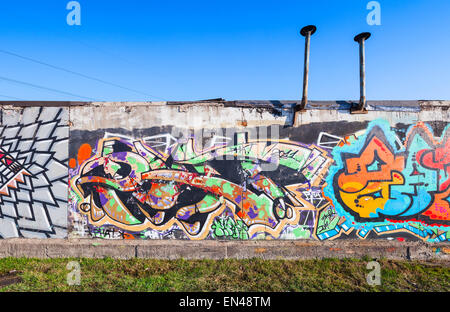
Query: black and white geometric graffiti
x,y
33,172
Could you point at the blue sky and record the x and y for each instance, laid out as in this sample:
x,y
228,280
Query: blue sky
x,y
237,50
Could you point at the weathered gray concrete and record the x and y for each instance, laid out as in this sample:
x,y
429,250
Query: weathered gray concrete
x,y
176,249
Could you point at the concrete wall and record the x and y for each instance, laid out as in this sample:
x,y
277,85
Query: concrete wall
x,y
225,171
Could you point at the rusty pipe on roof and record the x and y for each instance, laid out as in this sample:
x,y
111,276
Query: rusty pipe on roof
x,y
306,32
361,39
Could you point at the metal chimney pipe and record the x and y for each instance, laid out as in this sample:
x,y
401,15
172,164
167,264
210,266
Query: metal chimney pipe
x,y
361,108
306,32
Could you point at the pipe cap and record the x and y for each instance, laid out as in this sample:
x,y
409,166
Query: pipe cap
x,y
362,36
308,29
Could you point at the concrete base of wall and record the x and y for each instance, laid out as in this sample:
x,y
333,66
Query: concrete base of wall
x,y
175,249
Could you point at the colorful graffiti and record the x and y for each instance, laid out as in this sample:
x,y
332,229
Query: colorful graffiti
x,y
371,180
228,227
133,186
379,181
33,173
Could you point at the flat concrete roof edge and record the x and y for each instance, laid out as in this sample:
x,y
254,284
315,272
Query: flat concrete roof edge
x,y
389,105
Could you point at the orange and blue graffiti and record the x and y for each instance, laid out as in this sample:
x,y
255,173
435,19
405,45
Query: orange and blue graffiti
x,y
380,183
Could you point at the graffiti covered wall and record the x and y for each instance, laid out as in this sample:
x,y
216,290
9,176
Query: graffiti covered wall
x,y
321,181
167,173
33,172
226,190
383,184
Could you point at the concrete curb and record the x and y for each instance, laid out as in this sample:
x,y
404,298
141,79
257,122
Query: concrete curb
x,y
176,249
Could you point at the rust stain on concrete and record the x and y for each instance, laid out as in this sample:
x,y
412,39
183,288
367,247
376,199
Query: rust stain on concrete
x,y
260,250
